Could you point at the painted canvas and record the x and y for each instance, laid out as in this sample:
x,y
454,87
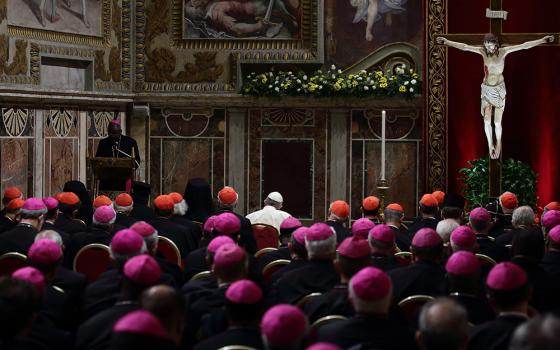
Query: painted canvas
x,y
366,25
83,17
242,19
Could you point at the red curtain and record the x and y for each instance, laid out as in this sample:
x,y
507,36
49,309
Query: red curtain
x,y
531,122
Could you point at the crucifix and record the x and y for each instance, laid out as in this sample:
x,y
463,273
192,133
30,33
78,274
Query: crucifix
x,y
493,89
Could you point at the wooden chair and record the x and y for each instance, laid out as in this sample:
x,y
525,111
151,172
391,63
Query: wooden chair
x,y
92,260
485,260
303,301
403,258
201,275
263,251
272,267
266,236
10,262
411,306
312,335
169,250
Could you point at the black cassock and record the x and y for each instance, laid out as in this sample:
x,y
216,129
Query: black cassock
x,y
116,149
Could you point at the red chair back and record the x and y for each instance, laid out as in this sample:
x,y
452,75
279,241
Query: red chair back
x,y
272,267
169,250
410,307
92,260
10,262
403,258
266,236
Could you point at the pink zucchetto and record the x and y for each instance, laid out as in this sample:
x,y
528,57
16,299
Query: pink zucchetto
x,y
462,263
227,224
426,237
554,234
354,248
143,228
126,242
44,252
244,292
104,215
480,214
299,234
371,284
142,269
283,325
323,346
51,203
31,275
34,207
141,322
228,255
506,276
550,219
218,242
382,233
319,232
361,227
290,223
209,224
463,237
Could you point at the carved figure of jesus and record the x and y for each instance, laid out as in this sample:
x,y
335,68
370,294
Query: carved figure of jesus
x,y
493,88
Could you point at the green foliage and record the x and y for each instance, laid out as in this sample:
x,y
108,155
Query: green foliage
x,y
333,83
517,177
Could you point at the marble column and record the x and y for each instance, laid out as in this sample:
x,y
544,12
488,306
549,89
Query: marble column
x,y
39,156
339,151
236,168
137,129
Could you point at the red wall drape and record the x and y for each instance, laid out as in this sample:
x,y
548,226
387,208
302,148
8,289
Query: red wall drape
x,y
531,121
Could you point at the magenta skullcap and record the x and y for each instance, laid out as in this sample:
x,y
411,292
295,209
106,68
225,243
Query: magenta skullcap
x,y
550,219
506,276
354,248
324,346
244,292
382,233
463,237
299,234
480,214
141,322
371,284
229,254
462,263
104,214
319,232
554,234
361,227
31,275
209,223
426,237
283,325
44,252
143,228
218,242
142,269
227,223
34,207
126,242
289,223
51,203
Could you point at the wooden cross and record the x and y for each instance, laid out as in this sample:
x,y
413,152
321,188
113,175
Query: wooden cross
x,y
497,15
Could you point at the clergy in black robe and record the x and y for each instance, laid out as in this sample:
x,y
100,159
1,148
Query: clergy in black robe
x,y
141,196
22,236
443,325
298,255
8,221
428,213
338,216
393,215
382,243
141,330
85,209
123,206
551,259
98,233
246,239
198,196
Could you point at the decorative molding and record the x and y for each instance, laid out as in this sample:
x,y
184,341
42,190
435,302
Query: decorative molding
x,y
393,117
389,56
436,111
288,117
15,120
61,121
186,116
66,51
101,121
77,39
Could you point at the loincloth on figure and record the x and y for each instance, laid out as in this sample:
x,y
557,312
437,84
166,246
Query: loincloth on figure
x,y
492,95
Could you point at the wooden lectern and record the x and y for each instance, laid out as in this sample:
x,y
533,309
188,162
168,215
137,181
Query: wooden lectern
x,y
110,169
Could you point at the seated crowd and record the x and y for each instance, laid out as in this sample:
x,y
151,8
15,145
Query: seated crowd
x,y
487,279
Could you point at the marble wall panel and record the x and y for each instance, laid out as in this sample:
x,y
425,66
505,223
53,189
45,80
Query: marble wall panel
x,y
182,160
61,163
15,160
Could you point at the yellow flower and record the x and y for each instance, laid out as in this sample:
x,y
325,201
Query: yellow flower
x,y
402,88
263,79
379,74
383,85
383,80
415,76
312,87
337,86
354,83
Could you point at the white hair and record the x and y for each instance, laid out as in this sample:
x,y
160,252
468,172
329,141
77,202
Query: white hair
x,y
321,249
180,208
123,209
50,235
370,307
523,216
151,240
445,227
125,257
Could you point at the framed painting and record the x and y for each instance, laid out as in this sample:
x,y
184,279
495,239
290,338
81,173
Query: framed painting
x,y
84,22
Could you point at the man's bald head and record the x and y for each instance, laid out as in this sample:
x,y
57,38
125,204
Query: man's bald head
x,y
168,306
443,325
114,131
